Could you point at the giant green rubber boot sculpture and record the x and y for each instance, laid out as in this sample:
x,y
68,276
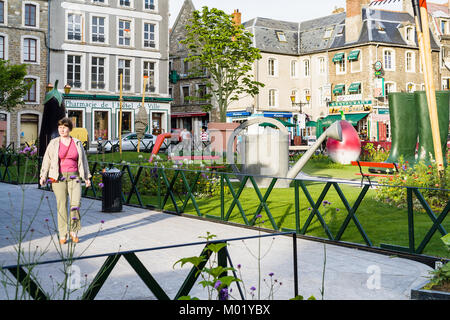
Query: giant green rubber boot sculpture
x,y
403,116
426,145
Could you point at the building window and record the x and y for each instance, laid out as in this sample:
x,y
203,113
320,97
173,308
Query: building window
x,y
186,94
294,66
2,48
149,4
410,62
444,26
2,12
341,66
101,125
149,35
125,3
124,32
281,36
202,91
30,15
126,122
389,60
149,71
77,117
389,87
98,1
272,67
29,50
74,71
409,34
74,27
31,96
98,73
272,98
322,67
125,70
306,68
98,29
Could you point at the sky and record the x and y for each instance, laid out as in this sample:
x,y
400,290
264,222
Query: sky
x,y
287,10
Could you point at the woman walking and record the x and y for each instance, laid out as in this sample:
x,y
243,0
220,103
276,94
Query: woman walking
x,y
65,165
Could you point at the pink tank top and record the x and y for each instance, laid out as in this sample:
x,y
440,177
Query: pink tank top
x,y
68,157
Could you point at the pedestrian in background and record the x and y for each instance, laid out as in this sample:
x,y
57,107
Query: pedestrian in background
x,y
186,140
65,165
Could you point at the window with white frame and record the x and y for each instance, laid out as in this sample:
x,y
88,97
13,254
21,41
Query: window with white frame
x,y
322,65
149,5
31,94
98,73
149,71
341,66
410,61
98,1
29,50
125,3
389,60
74,70
445,83
272,67
272,98
185,90
30,15
98,30
124,32
389,87
444,26
409,31
356,64
306,68
294,67
74,26
124,68
149,35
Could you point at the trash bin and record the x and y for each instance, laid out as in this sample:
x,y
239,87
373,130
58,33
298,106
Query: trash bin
x,y
112,190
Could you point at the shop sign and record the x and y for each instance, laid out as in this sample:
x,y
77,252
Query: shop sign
x,y
237,113
349,97
278,114
350,106
99,104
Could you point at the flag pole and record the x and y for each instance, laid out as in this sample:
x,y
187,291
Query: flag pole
x,y
120,116
421,13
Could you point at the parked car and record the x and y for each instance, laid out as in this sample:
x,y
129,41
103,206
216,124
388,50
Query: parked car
x,y
311,140
130,143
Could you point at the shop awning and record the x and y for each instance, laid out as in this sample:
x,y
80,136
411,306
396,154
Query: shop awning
x,y
187,114
311,124
353,55
339,88
354,87
285,123
338,57
352,118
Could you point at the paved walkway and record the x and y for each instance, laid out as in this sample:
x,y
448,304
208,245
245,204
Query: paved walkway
x,y
349,273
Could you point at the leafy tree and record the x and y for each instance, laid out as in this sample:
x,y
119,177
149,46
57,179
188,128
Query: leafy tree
x,y
13,86
224,50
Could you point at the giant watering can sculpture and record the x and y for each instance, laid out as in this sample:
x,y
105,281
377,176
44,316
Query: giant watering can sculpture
x,y
267,155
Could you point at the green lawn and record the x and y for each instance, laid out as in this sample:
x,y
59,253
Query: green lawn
x,y
381,222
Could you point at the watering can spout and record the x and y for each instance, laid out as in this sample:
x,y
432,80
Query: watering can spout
x,y
334,132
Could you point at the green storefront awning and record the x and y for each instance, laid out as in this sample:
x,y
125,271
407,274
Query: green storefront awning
x,y
339,88
353,55
354,87
285,123
352,118
311,124
338,57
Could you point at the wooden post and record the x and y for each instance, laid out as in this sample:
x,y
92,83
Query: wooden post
x,y
425,49
120,116
143,106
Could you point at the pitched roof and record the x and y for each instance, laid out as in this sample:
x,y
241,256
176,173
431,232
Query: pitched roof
x,y
328,32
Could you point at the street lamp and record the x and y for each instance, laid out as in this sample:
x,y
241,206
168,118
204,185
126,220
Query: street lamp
x,y
67,89
300,104
49,87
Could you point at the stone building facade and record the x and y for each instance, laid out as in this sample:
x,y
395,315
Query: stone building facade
x,y
187,113
23,40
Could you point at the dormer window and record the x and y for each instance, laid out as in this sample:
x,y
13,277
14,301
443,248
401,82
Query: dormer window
x,y
281,36
409,34
444,26
328,33
380,27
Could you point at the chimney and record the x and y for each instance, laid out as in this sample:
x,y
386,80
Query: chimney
x,y
353,19
237,17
